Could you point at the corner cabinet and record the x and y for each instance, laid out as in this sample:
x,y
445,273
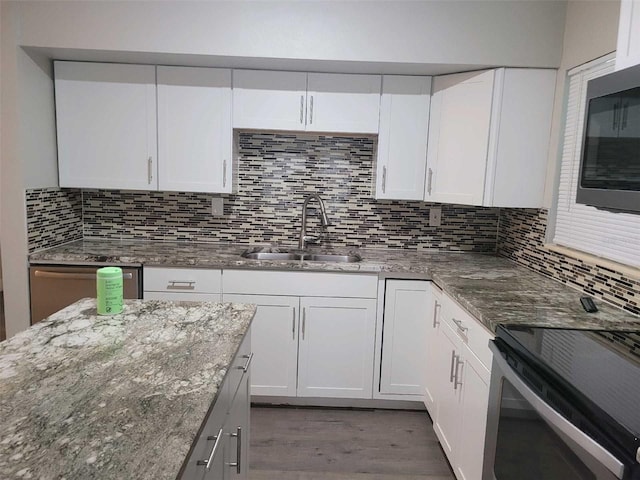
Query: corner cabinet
x,y
457,392
120,127
314,332
315,102
106,125
402,141
628,48
504,117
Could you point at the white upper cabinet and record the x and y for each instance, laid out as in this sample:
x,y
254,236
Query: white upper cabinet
x,y
489,137
343,103
107,119
269,100
628,50
402,141
194,129
106,125
299,101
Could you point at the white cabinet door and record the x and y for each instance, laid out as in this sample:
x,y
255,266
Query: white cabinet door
x,y
106,125
274,336
449,394
194,129
404,332
402,141
459,137
269,100
343,103
628,49
474,378
432,337
336,348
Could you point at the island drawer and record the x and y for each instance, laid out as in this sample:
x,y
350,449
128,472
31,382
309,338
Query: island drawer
x,y
239,366
182,280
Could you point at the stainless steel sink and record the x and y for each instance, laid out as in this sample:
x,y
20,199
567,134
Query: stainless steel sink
x,y
309,257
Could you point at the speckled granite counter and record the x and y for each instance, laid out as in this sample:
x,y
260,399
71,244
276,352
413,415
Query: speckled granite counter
x,y
492,288
85,396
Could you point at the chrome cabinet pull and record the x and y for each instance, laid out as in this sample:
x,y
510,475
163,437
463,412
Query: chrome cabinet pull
x,y
207,463
73,276
456,381
238,462
293,323
615,116
625,116
245,368
301,109
453,359
384,179
181,285
150,170
436,309
304,320
460,326
224,173
429,181
311,112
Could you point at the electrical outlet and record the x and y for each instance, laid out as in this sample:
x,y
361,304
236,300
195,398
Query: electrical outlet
x,y
217,206
435,216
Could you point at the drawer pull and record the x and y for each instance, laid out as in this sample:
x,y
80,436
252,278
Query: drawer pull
x,y
249,357
460,325
238,462
181,285
207,463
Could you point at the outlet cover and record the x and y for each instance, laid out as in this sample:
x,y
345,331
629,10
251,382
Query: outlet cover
x,y
435,216
217,206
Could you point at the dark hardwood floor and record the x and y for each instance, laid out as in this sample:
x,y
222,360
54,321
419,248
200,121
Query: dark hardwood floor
x,y
341,444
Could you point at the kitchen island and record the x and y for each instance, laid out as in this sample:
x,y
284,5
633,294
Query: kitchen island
x,y
123,396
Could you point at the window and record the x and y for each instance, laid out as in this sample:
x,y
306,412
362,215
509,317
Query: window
x,y
615,236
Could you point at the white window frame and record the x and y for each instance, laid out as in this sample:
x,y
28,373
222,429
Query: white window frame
x,y
582,228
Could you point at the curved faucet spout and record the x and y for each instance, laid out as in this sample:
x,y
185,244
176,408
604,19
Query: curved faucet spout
x,y
324,220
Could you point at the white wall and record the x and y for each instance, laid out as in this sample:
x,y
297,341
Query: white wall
x,y
591,31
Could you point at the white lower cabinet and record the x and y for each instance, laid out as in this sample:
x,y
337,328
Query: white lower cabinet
x,y
458,388
335,356
404,324
314,333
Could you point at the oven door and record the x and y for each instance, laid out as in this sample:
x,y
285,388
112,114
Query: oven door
x,y
528,440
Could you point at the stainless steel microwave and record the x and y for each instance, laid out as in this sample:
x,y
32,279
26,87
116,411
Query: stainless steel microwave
x,y
610,166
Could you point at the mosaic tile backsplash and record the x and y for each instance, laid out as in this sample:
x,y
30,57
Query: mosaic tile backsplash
x,y
275,173
54,217
521,237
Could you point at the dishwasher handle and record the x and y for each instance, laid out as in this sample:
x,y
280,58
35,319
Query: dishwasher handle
x,y
73,276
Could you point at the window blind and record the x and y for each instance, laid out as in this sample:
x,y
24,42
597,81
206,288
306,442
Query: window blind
x,y
615,236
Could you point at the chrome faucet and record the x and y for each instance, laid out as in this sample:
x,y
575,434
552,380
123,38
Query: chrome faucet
x,y
324,221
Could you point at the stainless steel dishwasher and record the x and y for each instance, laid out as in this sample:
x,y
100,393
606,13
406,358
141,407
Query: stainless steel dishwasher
x,y
55,287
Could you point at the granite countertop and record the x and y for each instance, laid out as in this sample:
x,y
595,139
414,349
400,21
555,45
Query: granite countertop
x,y
111,397
495,290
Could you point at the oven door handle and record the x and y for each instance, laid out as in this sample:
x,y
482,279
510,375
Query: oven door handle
x,y
557,422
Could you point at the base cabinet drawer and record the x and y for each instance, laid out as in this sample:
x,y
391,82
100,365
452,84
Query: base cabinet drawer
x,y
182,280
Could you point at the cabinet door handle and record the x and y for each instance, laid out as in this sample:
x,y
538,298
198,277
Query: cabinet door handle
x,y
207,463
384,179
460,326
224,173
456,381
301,109
436,309
150,170
293,323
245,367
311,111
616,108
453,361
625,115
238,462
304,320
429,180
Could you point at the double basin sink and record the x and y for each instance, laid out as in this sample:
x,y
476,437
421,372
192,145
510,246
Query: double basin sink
x,y
309,257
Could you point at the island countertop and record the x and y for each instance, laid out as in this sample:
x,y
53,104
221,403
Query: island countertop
x,y
123,396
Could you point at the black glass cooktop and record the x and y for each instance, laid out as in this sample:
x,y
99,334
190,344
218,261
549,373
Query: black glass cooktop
x,y
593,378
